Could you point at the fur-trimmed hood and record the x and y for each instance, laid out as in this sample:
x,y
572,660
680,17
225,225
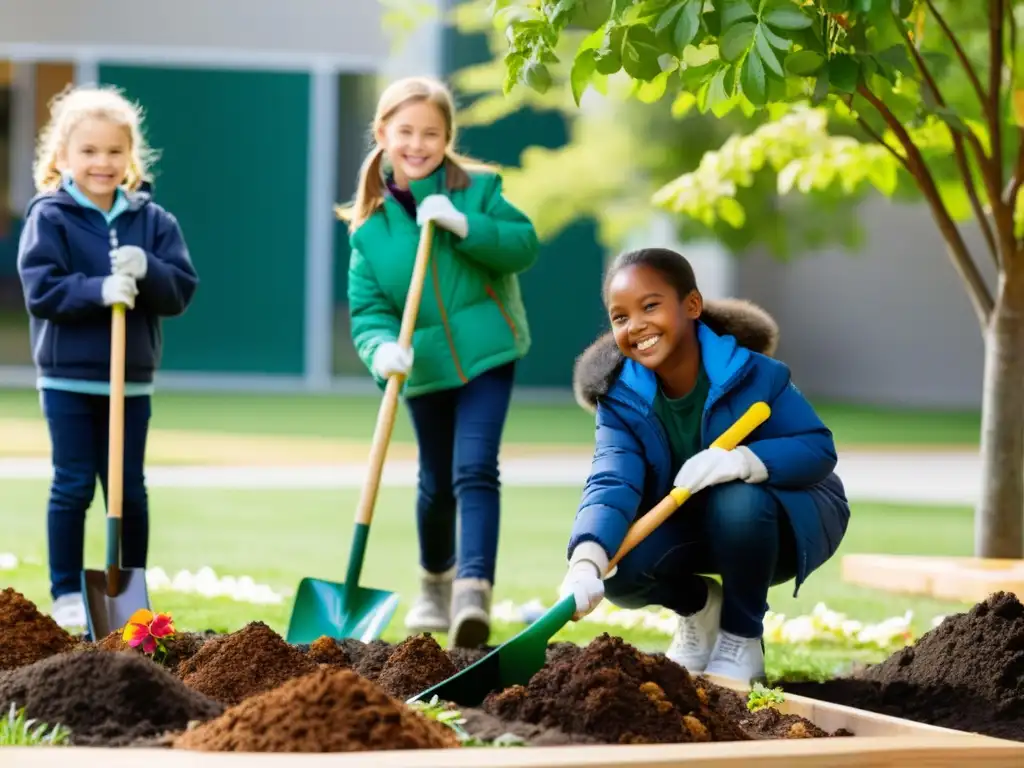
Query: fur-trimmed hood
x,y
598,367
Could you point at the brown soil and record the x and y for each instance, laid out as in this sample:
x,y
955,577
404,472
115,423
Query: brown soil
x,y
415,665
967,673
181,647
104,698
372,658
325,650
330,710
616,694
26,635
252,660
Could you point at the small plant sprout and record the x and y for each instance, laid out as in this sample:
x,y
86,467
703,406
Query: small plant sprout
x,y
16,730
452,718
761,697
147,631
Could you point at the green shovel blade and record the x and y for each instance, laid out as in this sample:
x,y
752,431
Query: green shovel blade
x,y
512,663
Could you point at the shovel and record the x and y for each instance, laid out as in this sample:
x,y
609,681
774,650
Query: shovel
x,y
349,610
520,658
113,595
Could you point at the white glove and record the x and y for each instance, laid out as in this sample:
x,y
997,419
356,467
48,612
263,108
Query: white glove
x,y
129,260
119,289
439,209
390,359
583,580
717,465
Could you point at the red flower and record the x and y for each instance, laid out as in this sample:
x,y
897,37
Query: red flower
x,y
147,630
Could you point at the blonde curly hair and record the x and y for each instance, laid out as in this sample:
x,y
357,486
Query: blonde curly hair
x,y
67,110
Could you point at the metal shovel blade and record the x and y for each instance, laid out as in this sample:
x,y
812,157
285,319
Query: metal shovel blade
x,y
106,613
512,663
333,609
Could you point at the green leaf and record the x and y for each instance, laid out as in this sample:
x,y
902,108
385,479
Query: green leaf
x,y
884,175
608,59
650,92
683,103
787,17
717,94
682,21
896,57
731,212
737,40
752,79
837,6
902,8
764,50
781,43
733,11
535,75
640,53
821,86
843,73
583,68
804,63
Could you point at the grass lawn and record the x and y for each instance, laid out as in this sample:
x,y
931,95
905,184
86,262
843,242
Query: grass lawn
x,y
353,418
278,537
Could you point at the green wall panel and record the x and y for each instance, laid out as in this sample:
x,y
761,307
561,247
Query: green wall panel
x,y
233,169
562,291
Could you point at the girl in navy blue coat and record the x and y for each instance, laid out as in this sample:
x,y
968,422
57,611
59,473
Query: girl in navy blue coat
x,y
93,238
673,375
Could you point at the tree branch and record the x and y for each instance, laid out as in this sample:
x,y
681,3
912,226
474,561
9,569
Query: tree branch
x,y
996,19
972,75
866,127
987,168
979,293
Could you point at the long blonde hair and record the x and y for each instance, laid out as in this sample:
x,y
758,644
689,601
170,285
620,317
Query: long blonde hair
x,y
67,110
370,188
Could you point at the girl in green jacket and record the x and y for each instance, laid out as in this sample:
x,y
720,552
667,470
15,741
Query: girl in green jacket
x,y
470,332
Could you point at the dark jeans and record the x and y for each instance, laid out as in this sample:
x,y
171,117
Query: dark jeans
x,y
459,434
79,425
735,530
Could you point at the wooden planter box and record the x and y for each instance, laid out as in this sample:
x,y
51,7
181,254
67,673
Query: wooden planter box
x,y
879,742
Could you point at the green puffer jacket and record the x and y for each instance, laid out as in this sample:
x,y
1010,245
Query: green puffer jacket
x,y
471,318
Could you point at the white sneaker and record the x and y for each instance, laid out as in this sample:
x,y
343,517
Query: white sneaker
x,y
738,658
431,610
69,611
695,635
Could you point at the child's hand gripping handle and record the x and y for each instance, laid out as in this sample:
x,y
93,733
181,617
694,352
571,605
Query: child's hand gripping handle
x,y
754,417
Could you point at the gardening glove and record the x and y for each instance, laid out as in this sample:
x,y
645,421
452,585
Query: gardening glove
x,y
583,580
717,465
129,260
119,289
439,209
390,358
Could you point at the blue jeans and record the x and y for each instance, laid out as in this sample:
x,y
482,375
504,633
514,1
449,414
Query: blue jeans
x,y
459,435
79,425
735,530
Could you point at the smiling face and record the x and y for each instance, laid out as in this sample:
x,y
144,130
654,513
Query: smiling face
x,y
651,323
97,155
415,138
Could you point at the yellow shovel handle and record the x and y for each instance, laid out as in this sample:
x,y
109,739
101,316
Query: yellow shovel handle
x,y
754,417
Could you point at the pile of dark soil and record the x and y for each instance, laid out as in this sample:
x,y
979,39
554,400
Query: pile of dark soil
x,y
180,646
967,673
330,710
104,698
326,650
250,661
26,635
415,665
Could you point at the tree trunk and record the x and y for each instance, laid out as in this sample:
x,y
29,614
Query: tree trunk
x,y
999,521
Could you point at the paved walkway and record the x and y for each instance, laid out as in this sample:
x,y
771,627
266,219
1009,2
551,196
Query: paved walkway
x,y
939,478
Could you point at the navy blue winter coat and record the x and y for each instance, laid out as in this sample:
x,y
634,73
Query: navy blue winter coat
x,y
632,468
64,255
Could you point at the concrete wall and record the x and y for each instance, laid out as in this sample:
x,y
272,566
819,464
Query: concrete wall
x,y
891,324
350,29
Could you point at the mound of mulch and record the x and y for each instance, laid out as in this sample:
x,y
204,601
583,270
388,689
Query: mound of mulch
x,y
26,635
105,698
416,664
330,710
967,673
245,663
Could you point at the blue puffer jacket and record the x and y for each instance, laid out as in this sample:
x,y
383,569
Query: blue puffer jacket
x,y
632,467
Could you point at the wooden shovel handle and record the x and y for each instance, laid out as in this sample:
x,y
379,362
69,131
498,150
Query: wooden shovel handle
x,y
754,417
115,442
389,405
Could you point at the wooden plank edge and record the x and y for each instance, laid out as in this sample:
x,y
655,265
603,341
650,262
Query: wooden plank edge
x,y
935,751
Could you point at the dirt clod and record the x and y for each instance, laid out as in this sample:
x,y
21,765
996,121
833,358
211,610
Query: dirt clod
x,y
616,694
325,650
329,710
105,698
967,673
26,635
247,662
415,665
